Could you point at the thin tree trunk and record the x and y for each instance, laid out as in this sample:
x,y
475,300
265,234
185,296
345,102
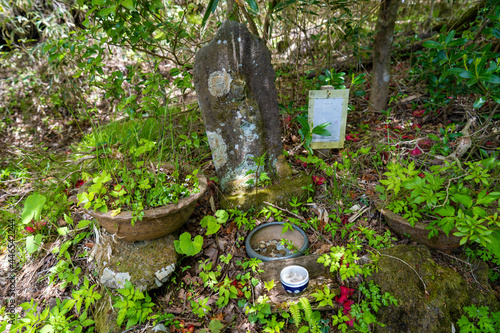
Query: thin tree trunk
x,y
382,53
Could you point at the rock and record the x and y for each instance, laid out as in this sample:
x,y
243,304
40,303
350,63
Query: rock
x,y
105,315
279,193
159,328
146,264
416,311
234,81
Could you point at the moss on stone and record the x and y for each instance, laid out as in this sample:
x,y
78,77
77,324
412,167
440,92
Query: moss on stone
x,y
279,193
447,291
142,260
105,316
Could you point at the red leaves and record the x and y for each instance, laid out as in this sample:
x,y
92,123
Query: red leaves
x,y
352,137
416,152
418,113
36,226
79,183
318,180
30,230
415,126
345,302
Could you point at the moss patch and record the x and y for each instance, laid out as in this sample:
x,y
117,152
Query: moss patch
x,y
280,193
417,311
147,262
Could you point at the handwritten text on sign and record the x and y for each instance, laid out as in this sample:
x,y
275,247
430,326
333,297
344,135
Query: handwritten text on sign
x,y
329,106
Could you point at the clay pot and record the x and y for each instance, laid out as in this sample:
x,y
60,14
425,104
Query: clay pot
x,y
418,233
156,222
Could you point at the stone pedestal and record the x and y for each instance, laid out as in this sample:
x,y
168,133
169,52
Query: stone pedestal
x,y
234,81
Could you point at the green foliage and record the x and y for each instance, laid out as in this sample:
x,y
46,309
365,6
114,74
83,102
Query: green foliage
x,y
443,145
137,186
187,246
479,320
33,208
213,224
325,297
207,275
259,311
241,219
343,261
306,132
364,312
59,318
134,306
200,307
333,78
454,196
215,326
453,66
261,178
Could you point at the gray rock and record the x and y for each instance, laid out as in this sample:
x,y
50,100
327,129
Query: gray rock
x,y
234,81
146,264
447,290
159,328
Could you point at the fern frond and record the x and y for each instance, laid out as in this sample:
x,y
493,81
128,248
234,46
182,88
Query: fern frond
x,y
308,313
295,312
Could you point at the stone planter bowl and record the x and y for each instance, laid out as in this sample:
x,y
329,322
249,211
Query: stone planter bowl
x,y
272,230
418,233
156,222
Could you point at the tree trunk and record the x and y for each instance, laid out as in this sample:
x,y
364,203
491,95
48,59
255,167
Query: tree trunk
x,y
382,53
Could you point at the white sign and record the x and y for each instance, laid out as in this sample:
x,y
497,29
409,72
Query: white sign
x,y
328,106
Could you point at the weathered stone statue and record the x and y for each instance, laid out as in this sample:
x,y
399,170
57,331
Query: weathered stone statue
x,y
234,81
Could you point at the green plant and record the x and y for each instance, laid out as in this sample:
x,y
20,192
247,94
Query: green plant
x,y
215,326
252,263
57,319
479,320
343,261
443,145
134,306
213,224
312,318
227,290
261,178
324,297
306,131
200,307
332,78
241,219
207,275
453,196
186,245
259,311
139,185
363,313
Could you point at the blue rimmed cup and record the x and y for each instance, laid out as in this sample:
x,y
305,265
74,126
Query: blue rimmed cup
x,y
294,279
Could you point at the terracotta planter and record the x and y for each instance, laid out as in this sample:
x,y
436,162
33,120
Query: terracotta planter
x,y
156,222
418,233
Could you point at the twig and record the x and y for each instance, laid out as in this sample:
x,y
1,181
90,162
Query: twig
x,y
300,218
358,214
453,257
404,262
15,180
